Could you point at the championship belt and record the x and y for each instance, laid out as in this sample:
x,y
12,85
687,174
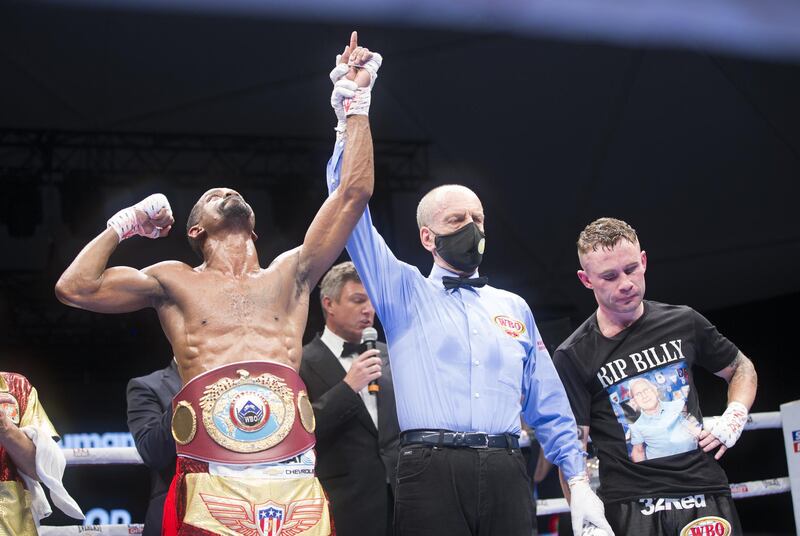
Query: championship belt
x,y
243,413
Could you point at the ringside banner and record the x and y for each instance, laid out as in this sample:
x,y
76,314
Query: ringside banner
x,y
790,415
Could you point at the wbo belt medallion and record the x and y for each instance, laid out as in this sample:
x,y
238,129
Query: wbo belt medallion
x,y
248,414
243,413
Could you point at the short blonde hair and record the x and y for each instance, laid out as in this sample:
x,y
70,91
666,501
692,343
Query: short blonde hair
x,y
605,233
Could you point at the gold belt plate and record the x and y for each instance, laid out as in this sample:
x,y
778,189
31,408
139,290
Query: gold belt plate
x,y
248,414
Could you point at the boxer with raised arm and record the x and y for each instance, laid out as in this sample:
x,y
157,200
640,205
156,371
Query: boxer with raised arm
x,y
242,422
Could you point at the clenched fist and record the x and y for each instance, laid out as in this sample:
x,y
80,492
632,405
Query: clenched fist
x,y
151,217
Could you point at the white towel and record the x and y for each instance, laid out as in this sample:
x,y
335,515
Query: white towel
x,y
50,464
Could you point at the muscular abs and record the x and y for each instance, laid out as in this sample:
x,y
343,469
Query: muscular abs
x,y
213,319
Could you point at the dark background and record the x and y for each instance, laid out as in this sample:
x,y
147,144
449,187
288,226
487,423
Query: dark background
x,y
698,150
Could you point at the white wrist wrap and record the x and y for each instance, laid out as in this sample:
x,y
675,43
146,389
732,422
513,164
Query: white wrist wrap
x,y
730,425
347,98
343,91
127,225
359,105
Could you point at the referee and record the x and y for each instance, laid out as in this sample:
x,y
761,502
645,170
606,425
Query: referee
x,y
467,359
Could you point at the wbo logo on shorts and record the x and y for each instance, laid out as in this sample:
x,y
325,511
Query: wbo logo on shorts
x,y
707,526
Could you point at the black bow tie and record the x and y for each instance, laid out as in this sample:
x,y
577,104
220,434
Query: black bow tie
x,y
349,349
456,282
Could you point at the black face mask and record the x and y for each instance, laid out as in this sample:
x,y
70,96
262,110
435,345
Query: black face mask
x,y
463,249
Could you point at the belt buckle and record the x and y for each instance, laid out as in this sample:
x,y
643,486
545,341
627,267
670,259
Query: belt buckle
x,y
484,445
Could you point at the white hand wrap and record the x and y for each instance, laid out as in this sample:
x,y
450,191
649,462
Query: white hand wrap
x,y
347,98
360,103
127,225
587,510
730,424
343,91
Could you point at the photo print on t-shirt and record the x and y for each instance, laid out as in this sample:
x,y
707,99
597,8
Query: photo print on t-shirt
x,y
651,408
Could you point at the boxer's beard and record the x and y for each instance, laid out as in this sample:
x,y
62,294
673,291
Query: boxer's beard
x,y
236,211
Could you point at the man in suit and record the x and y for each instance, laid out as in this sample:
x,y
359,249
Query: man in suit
x,y
150,420
357,432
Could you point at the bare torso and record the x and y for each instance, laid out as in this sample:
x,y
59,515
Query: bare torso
x,y
212,318
229,309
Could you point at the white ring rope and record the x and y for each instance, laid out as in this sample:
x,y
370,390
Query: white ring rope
x,y
129,456
543,507
103,456
756,488
89,530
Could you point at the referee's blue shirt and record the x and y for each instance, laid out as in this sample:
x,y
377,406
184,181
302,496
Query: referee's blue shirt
x,y
467,360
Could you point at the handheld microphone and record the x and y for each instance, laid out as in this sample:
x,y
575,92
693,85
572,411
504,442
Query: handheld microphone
x,y
369,338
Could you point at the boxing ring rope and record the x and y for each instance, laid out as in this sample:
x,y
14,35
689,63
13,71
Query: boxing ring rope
x,y
543,507
129,456
91,530
743,490
103,456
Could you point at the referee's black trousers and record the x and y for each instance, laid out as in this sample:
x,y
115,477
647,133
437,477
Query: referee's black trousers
x,y
446,491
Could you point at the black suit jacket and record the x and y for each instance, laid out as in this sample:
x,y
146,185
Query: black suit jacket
x,y
354,459
150,423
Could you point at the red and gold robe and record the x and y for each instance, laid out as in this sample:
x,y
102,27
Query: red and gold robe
x,y
19,400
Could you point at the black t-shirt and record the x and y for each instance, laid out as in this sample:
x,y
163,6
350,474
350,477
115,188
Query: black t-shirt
x,y
636,394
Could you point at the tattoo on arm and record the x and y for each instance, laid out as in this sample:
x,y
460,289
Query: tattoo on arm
x,y
744,370
744,380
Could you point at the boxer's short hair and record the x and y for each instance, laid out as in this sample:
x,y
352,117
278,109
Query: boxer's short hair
x,y
605,233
